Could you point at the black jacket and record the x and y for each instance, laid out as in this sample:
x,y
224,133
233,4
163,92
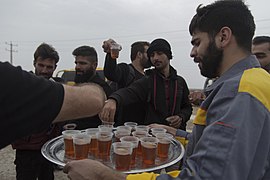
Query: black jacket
x,y
124,74
151,90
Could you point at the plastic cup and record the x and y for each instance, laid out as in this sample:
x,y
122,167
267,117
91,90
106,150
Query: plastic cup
x,y
81,143
121,133
93,147
106,127
131,124
122,155
128,128
164,141
70,126
135,141
115,48
68,142
104,141
158,130
140,134
107,123
142,128
149,148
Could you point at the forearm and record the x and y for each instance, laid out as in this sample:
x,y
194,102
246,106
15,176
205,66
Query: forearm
x,y
110,66
82,101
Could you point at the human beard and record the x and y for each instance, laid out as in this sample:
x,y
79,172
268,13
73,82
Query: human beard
x,y
84,77
211,61
45,75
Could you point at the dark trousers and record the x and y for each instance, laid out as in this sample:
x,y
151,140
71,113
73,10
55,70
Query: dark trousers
x,y
31,165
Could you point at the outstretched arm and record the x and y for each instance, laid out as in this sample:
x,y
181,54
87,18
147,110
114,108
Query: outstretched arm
x,y
81,101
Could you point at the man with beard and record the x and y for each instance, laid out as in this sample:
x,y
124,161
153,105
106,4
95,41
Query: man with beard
x,y
162,90
30,164
122,75
261,49
230,138
86,61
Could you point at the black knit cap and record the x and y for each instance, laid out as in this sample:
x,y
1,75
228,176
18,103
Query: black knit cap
x,y
160,45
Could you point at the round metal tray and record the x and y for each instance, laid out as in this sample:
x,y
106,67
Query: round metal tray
x,y
53,150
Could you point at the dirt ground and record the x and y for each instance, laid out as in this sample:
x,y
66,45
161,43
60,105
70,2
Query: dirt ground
x,y
7,167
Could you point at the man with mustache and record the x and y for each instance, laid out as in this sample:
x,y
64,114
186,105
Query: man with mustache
x,y
86,61
30,164
230,138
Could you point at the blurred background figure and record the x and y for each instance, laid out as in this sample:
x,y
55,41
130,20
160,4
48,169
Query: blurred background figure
x,y
261,49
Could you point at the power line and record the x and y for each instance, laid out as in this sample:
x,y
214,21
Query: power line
x,y
11,50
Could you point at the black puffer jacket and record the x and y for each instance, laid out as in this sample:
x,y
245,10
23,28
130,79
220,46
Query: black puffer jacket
x,y
151,90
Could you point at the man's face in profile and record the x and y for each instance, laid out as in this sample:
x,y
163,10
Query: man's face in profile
x,y
206,53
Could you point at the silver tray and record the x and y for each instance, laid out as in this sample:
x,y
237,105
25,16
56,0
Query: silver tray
x,y
53,150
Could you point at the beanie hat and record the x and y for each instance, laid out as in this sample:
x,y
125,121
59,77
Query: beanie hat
x,y
160,45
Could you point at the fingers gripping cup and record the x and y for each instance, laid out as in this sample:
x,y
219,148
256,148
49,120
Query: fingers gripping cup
x,y
149,148
81,143
122,155
115,48
68,142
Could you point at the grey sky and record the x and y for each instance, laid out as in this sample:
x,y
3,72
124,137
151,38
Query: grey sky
x,y
67,24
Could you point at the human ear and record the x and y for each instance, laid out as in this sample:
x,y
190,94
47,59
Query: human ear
x,y
224,37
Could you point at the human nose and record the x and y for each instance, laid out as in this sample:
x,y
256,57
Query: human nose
x,y
77,67
44,69
193,52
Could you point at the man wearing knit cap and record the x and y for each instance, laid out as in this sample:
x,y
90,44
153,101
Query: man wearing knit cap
x,y
164,93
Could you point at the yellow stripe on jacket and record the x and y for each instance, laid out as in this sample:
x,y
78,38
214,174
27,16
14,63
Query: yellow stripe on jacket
x,y
253,82
200,118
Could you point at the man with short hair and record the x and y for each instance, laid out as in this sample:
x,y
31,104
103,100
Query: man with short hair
x,y
30,164
261,49
122,75
162,90
86,61
230,138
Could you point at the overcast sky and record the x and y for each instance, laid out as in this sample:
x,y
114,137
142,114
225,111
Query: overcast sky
x,y
67,24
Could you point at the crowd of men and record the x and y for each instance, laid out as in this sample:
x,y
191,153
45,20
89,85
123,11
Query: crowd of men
x,y
230,137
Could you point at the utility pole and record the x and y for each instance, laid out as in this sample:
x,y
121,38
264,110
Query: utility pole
x,y
11,51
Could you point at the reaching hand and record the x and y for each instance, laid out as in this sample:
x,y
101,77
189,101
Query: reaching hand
x,y
108,111
174,121
89,169
107,45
